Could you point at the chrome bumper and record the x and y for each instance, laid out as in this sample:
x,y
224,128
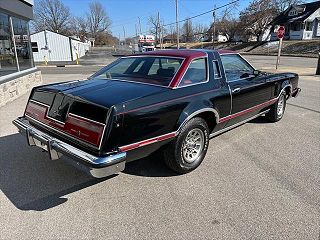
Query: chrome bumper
x,y
96,166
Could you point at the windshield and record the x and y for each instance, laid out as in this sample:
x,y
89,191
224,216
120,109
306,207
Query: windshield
x,y
149,69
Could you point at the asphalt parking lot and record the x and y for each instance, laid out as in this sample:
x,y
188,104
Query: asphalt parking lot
x,y
258,181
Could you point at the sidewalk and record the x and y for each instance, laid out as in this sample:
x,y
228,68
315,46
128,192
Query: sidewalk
x,y
303,72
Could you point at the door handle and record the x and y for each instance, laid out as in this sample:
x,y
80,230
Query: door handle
x,y
236,90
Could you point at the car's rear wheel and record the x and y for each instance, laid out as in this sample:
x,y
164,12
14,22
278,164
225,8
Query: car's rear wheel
x,y
277,110
189,148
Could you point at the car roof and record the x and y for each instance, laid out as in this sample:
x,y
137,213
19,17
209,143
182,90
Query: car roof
x,y
185,53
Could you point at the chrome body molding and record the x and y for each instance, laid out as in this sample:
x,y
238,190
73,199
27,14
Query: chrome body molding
x,y
96,166
237,124
217,119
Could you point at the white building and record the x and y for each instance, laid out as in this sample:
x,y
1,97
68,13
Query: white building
x,y
54,47
302,22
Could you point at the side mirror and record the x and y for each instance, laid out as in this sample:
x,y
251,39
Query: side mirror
x,y
256,72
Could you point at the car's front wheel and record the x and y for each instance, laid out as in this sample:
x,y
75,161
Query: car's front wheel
x,y
189,148
277,110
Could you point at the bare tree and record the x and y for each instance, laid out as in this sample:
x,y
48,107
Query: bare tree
x,y
187,31
171,34
154,26
257,17
282,5
80,26
97,19
199,32
227,25
52,15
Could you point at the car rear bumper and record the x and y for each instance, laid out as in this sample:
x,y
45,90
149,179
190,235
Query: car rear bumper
x,y
96,166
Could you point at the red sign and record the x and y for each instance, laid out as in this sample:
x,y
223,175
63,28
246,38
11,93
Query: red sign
x,y
281,32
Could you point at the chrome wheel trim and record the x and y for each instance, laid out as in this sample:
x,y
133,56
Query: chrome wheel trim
x,y
280,107
193,145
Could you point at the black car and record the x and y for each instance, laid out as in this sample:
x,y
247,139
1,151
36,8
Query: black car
x,y
172,100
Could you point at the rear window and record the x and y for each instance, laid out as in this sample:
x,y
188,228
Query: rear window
x,y
151,70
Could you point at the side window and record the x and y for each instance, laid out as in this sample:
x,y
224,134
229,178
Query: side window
x,y
216,69
196,73
235,67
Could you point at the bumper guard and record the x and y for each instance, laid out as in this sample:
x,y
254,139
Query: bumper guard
x,y
96,166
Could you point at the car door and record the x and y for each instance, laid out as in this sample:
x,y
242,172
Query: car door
x,y
248,89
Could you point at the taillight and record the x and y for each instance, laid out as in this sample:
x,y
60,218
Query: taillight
x,y
85,129
35,110
79,127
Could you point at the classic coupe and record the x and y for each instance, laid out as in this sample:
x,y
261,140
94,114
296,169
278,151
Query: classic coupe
x,y
173,101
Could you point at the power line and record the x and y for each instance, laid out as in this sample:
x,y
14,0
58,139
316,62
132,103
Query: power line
x,y
201,14
198,15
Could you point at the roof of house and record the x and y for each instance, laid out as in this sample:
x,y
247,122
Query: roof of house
x,y
309,8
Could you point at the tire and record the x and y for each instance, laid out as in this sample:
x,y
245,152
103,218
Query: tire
x,y
277,110
184,156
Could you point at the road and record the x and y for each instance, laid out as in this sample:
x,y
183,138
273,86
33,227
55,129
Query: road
x,y
258,181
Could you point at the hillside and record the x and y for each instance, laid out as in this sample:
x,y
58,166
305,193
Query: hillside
x,y
305,48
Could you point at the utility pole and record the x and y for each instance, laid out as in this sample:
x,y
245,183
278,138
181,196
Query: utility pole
x,y
124,35
119,41
214,25
318,66
177,25
140,32
159,30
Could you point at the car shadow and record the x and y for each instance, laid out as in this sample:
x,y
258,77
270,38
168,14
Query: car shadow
x,y
260,120
151,166
33,182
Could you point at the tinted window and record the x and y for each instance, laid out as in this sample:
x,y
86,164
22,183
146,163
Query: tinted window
x,y
196,73
152,70
235,67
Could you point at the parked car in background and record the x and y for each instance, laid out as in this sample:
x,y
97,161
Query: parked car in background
x,y
171,100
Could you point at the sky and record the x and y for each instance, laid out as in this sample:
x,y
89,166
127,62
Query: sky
x,y
125,13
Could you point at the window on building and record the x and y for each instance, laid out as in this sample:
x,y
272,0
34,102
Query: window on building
x,y
296,26
34,46
22,40
293,12
309,26
7,54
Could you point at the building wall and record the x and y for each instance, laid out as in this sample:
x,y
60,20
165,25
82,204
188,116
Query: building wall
x,y
79,47
51,46
54,47
18,86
